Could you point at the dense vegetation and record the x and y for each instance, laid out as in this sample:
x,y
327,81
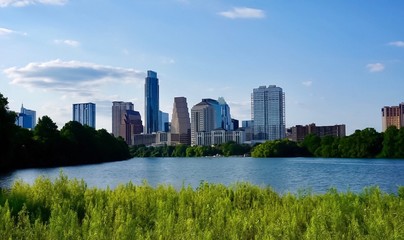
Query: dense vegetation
x,y
366,143
67,209
46,146
226,149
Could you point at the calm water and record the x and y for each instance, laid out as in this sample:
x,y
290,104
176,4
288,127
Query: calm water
x,y
282,174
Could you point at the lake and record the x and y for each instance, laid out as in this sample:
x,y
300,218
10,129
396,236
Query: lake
x,y
282,174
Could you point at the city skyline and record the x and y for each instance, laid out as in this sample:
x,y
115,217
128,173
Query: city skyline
x,y
337,62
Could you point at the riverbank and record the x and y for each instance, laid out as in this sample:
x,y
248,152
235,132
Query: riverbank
x,y
68,209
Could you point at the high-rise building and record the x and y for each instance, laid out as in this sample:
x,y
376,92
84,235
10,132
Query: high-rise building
x,y
163,121
268,113
204,118
180,122
84,113
235,124
299,132
118,115
132,124
225,118
151,102
393,116
26,118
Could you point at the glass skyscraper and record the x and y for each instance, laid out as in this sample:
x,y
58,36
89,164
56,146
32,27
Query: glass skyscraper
x,y
84,113
268,113
151,103
26,118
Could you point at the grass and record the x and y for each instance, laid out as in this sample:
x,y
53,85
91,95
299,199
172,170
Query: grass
x,y
68,209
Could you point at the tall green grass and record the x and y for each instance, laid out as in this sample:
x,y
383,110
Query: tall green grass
x,y
68,209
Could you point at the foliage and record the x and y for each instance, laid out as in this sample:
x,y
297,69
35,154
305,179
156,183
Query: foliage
x,y
227,149
366,143
67,209
278,148
7,127
46,146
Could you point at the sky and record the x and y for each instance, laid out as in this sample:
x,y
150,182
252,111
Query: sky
x,y
338,62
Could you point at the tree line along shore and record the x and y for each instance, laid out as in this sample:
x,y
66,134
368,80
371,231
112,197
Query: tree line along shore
x,y
74,144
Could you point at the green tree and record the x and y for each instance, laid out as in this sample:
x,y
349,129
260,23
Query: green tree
x,y
180,151
7,131
311,142
390,137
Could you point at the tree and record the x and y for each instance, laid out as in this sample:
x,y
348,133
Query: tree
x,y
311,142
7,130
46,130
390,137
180,151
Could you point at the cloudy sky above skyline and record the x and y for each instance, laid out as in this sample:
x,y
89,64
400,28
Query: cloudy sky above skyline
x,y
337,62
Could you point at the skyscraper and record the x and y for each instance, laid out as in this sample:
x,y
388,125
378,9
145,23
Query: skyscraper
x,y
180,122
268,113
26,118
393,116
84,113
151,102
204,117
118,114
132,124
225,117
163,121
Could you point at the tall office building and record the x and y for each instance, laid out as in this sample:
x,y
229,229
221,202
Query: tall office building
x,y
163,122
118,114
84,113
26,118
131,125
180,122
225,118
151,103
205,117
393,116
268,113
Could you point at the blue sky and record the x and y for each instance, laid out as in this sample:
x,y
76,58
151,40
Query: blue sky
x,y
338,62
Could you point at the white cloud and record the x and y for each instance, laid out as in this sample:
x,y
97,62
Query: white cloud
x,y
72,78
243,12
68,42
6,31
307,83
397,43
375,67
23,3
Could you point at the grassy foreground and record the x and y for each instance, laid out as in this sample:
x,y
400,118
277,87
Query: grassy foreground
x,y
67,209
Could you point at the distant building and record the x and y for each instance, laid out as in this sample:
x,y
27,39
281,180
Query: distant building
x,y
180,132
26,118
225,117
205,117
219,136
151,108
247,123
163,122
268,113
393,116
235,124
118,115
144,139
132,125
299,132
84,113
